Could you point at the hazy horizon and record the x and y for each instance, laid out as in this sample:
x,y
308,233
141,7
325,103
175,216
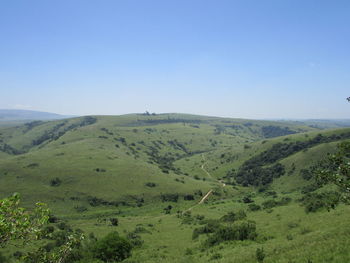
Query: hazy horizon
x,y
239,59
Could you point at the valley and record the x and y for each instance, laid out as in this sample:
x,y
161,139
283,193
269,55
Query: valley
x,y
172,180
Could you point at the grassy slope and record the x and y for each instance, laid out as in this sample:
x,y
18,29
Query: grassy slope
x,y
79,151
319,237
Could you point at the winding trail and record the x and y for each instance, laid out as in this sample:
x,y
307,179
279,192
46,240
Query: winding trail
x,y
203,166
205,197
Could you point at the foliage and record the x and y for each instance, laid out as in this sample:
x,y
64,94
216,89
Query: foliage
x,y
271,131
61,254
232,216
17,223
260,255
114,221
273,202
55,182
112,248
242,231
315,201
254,207
169,197
337,171
255,171
210,227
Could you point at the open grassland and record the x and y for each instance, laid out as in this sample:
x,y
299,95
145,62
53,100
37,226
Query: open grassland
x,y
150,172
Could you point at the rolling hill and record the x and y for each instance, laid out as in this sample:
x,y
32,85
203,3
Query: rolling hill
x,y
101,156
152,170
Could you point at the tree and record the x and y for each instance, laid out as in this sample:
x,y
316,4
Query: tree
x,y
336,170
17,223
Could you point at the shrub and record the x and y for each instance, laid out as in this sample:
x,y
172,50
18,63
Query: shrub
x,y
254,207
188,197
210,227
114,221
112,248
243,231
167,209
55,182
260,255
229,217
188,251
272,202
3,259
134,239
169,197
216,256
232,216
269,204
150,184
247,199
241,215
316,201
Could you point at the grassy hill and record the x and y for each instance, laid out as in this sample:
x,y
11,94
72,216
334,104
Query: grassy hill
x,y
89,169
100,156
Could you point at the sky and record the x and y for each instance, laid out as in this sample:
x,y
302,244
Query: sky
x,y
232,58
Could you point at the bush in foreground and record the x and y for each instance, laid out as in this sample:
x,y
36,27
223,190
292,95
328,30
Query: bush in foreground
x,y
112,248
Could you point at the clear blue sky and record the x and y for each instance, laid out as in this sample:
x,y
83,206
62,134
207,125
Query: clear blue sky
x,y
244,58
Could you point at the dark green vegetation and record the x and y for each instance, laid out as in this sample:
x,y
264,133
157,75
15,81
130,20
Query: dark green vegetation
x,y
140,175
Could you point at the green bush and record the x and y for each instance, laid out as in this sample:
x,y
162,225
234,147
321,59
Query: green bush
x,y
55,182
316,201
114,221
3,259
112,248
232,216
243,231
210,227
260,255
254,207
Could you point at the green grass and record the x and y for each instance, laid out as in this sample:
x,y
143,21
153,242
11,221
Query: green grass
x,y
188,143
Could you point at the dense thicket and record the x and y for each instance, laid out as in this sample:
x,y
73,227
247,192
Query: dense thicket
x,y
271,131
258,170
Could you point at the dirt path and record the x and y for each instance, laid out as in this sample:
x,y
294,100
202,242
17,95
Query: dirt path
x,y
200,202
203,166
205,197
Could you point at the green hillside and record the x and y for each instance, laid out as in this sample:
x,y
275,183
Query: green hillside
x,y
100,156
150,171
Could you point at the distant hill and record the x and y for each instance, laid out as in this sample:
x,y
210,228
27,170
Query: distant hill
x,y
7,115
320,123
